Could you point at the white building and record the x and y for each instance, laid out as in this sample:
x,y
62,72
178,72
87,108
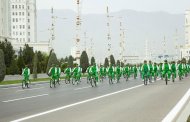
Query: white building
x,y
23,26
4,19
185,50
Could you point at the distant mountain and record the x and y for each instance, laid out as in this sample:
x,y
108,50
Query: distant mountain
x,y
140,26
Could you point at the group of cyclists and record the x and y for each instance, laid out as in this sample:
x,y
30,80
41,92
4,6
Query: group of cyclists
x,y
148,71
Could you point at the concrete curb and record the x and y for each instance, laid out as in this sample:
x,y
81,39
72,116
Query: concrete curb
x,y
33,83
19,84
184,113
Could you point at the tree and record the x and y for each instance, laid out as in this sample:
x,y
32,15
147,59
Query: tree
x,y
35,65
20,61
64,66
118,62
84,62
9,53
13,69
70,61
106,62
189,61
52,60
66,59
28,55
112,60
2,66
92,61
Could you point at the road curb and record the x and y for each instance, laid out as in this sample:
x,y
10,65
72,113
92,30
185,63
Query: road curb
x,y
33,83
183,116
19,84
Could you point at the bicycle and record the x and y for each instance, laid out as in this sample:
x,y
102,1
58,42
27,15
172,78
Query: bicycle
x,y
75,80
25,84
67,79
166,78
93,81
52,83
145,79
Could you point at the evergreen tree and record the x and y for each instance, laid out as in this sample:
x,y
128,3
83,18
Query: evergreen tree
x,y
13,69
118,62
28,55
93,60
20,61
70,61
52,60
2,66
112,60
106,62
84,62
66,59
8,50
35,65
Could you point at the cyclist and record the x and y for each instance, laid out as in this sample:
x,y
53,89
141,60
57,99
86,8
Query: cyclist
x,y
89,75
118,72
53,73
155,71
95,72
166,69
145,71
68,72
76,73
135,71
26,74
102,75
173,70
111,74
126,72
150,74
160,70
180,70
58,73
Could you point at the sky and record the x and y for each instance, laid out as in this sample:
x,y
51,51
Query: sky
x,y
99,6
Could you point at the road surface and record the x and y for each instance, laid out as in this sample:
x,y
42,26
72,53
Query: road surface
x,y
123,102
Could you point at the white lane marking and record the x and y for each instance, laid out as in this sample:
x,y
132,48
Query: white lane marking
x,y
29,89
11,88
75,104
24,98
83,88
173,113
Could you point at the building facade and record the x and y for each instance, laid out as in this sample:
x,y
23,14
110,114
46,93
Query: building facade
x,y
4,19
185,50
23,21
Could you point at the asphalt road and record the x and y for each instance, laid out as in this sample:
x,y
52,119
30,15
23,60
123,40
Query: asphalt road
x,y
123,102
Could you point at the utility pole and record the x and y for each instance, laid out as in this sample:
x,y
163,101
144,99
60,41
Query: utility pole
x,y
78,31
164,46
52,30
122,41
108,34
85,43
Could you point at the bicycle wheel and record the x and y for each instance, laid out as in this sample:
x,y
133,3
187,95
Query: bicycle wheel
x,y
51,83
54,83
23,84
91,82
73,81
173,78
166,79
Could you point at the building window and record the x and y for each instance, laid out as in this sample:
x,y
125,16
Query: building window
x,y
13,13
16,13
13,19
28,20
23,26
28,39
28,7
12,6
19,6
16,19
28,33
29,27
16,6
20,33
23,13
28,14
13,27
22,6
23,39
20,13
20,26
